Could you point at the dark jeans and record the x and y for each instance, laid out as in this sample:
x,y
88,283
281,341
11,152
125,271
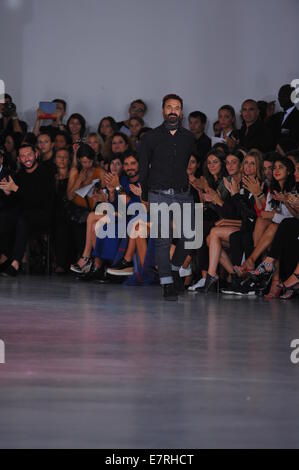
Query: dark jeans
x,y
162,245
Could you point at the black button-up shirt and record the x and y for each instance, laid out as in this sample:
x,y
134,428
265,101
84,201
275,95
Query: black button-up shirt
x,y
164,158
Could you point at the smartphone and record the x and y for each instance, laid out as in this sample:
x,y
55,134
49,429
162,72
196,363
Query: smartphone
x,y
48,109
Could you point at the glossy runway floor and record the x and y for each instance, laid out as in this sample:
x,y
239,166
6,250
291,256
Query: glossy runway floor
x,y
114,367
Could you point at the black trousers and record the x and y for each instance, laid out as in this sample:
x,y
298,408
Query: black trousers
x,y
241,242
285,247
8,220
28,224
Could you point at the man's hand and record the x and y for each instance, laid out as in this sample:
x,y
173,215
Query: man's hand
x,y
8,186
137,190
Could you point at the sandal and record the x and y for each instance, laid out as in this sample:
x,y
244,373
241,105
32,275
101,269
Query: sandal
x,y
289,291
85,268
263,268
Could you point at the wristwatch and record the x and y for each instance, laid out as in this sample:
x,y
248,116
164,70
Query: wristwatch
x,y
119,189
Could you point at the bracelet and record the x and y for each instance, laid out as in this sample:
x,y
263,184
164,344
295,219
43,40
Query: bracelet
x,y
260,195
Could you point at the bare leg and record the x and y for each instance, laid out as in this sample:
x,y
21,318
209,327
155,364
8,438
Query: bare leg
x,y
217,234
275,285
90,237
260,226
262,245
141,245
130,250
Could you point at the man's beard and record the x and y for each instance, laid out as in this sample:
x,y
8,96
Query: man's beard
x,y
172,122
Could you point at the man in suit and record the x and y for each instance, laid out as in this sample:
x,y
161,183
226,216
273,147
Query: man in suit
x,y
285,123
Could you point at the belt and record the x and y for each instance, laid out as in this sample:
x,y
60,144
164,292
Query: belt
x,y
170,191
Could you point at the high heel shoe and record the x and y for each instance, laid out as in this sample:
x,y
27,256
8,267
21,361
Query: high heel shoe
x,y
289,291
263,268
85,268
210,282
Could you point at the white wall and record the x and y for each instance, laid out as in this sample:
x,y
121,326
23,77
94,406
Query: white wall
x,y
100,54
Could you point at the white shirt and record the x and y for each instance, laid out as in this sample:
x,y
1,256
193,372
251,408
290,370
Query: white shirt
x,y
283,213
227,135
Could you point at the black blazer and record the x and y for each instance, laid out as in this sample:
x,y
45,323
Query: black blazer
x,y
289,128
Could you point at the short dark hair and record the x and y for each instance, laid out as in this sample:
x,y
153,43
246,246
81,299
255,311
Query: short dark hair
x,y
128,154
229,108
270,157
198,115
140,101
172,96
25,145
250,100
59,100
86,151
48,133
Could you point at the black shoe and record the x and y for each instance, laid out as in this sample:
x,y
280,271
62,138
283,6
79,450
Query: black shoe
x,y
232,286
10,272
212,282
246,288
178,283
95,274
169,292
5,265
122,268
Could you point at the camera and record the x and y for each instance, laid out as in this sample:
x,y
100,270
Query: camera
x,y
9,109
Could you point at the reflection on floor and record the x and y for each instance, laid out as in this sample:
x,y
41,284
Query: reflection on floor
x,y
118,367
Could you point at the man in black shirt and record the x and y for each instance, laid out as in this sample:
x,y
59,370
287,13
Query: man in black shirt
x,y
197,123
164,154
33,189
254,133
